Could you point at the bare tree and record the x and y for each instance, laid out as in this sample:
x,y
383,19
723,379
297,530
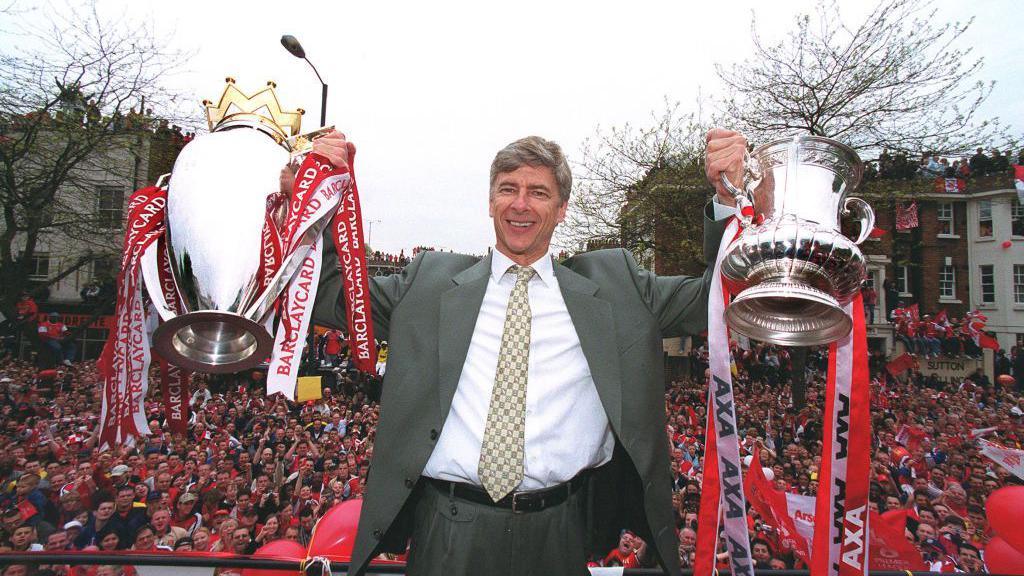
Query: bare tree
x,y
641,188
896,81
69,125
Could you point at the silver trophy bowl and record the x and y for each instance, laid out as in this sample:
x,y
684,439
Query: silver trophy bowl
x,y
215,215
792,268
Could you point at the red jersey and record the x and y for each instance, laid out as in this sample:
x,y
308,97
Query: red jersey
x,y
333,345
52,330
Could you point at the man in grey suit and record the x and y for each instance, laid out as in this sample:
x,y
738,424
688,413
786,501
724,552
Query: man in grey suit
x,y
523,417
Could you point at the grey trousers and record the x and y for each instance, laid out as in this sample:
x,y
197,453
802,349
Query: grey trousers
x,y
453,537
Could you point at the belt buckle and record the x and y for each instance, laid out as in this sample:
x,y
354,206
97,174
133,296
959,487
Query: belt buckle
x,y
515,499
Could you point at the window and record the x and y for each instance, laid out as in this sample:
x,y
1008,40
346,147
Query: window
x,y
985,219
39,268
945,217
105,268
988,284
947,283
902,280
111,204
1017,217
1018,283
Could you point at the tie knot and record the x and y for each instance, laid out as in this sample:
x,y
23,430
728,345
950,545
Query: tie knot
x,y
522,273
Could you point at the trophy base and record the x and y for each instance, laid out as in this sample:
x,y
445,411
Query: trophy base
x,y
213,342
787,314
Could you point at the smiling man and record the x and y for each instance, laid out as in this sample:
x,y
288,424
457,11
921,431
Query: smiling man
x,y
522,417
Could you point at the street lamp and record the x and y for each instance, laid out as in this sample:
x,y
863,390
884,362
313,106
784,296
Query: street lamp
x,y
292,46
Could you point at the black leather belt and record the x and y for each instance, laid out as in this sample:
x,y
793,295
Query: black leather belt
x,y
526,501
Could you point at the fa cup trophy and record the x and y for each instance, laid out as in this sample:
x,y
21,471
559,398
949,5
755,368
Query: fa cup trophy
x,y
792,267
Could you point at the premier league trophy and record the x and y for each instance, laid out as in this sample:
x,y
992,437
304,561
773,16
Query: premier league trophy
x,y
792,267
225,219
224,262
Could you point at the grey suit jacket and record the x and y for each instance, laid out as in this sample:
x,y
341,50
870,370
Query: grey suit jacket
x,y
621,313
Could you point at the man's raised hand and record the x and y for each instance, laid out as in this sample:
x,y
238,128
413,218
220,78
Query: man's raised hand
x,y
335,148
725,152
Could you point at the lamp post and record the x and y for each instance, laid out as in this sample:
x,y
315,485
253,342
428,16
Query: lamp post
x,y
369,236
295,49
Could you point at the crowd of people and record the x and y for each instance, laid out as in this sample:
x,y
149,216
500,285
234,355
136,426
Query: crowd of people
x,y
253,469
930,337
898,166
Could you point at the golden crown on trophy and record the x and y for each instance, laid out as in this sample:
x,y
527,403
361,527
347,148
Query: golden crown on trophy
x,y
261,110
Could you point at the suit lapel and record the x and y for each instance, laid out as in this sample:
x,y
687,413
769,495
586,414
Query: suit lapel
x,y
460,307
595,326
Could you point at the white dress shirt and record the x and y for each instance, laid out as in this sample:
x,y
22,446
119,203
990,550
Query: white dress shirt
x,y
567,430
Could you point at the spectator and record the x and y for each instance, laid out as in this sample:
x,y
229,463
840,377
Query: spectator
x,y
979,163
55,338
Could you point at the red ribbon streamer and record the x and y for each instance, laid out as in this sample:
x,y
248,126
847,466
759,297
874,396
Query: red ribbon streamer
x,y
347,228
124,361
174,381
840,545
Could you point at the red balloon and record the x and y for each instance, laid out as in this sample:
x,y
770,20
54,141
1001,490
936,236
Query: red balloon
x,y
1001,558
281,549
335,533
1005,508
1006,380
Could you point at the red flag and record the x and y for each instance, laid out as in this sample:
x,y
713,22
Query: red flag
x,y
915,313
941,316
876,233
901,364
770,504
694,421
906,216
986,341
890,549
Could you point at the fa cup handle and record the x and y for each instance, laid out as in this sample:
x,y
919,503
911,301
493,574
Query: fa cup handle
x,y
743,196
862,213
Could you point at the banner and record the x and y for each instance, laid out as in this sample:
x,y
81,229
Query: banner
x,y
840,544
1009,458
906,216
722,484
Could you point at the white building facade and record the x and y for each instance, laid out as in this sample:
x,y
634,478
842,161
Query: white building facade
x,y
995,234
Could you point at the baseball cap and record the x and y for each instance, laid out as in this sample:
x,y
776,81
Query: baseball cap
x,y
119,470
72,524
188,497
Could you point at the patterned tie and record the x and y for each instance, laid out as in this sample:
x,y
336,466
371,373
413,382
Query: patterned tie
x,y
501,456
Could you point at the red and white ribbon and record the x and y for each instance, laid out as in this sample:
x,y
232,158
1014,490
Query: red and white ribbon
x,y
722,484
348,241
840,545
174,381
124,363
321,190
318,189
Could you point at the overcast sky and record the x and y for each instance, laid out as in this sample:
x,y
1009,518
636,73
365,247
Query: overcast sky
x,y
429,91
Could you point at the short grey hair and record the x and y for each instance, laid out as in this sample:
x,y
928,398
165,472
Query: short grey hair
x,y
534,151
